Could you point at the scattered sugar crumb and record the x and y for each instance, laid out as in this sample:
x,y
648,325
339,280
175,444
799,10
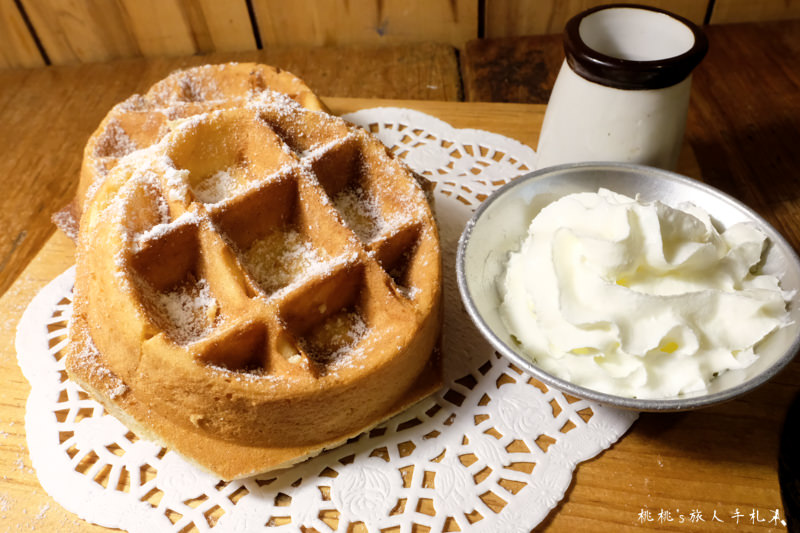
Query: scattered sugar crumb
x,y
43,511
5,502
410,292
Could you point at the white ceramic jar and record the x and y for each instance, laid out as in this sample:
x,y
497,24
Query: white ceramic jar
x,y
622,93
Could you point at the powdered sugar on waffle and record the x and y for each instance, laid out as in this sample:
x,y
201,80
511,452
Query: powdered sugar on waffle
x,y
216,187
251,375
88,358
190,309
135,102
282,257
194,87
176,180
142,183
114,142
160,230
284,106
335,341
360,212
315,152
314,269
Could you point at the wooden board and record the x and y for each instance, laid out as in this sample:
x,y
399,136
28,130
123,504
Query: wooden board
x,y
744,122
17,45
715,460
511,69
46,115
331,22
73,31
728,11
513,18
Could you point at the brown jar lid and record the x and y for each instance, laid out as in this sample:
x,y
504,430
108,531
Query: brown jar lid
x,y
623,73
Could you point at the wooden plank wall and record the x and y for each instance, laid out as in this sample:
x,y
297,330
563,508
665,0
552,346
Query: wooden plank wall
x,y
726,11
38,32
17,45
514,18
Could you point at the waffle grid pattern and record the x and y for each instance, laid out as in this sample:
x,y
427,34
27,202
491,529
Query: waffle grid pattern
x,y
305,249
279,275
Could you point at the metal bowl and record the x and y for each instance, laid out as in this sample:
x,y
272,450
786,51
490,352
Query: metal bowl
x,y
500,224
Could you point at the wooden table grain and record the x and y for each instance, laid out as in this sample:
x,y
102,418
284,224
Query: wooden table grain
x,y
743,129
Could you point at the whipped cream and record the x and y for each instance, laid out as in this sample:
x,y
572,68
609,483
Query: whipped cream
x,y
638,299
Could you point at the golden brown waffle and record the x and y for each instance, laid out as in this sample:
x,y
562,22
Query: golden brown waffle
x,y
142,120
261,284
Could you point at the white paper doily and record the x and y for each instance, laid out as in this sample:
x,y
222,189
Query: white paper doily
x,y
493,451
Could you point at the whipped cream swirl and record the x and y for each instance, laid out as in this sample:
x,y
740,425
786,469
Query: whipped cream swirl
x,y
638,299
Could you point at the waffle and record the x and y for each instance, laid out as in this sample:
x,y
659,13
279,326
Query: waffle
x,y
142,120
261,284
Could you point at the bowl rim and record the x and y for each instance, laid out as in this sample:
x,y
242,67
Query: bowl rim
x,y
638,404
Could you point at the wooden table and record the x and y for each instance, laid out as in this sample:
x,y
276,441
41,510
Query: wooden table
x,y
743,131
